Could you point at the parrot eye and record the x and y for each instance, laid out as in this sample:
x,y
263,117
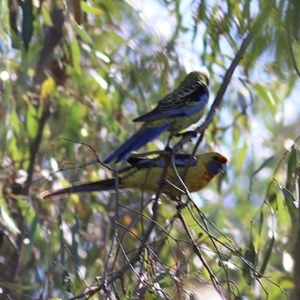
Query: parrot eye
x,y
221,159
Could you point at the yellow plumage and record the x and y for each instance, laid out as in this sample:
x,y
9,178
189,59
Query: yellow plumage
x,y
147,175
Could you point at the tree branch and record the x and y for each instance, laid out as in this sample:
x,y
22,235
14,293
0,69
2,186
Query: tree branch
x,y
257,26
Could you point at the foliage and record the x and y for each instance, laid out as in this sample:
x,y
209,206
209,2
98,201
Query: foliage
x,y
74,75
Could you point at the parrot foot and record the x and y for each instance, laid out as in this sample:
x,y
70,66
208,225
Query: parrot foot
x,y
190,134
181,205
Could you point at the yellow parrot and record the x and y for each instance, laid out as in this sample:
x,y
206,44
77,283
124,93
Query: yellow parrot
x,y
147,174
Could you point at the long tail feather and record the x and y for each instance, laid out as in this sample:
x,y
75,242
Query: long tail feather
x,y
102,185
138,140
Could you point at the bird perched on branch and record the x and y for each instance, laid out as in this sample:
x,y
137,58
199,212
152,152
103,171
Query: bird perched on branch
x,y
176,111
157,175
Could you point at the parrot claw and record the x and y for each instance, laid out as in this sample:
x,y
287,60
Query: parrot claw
x,y
180,205
191,134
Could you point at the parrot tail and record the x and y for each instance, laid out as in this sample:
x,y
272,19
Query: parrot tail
x,y
138,140
102,185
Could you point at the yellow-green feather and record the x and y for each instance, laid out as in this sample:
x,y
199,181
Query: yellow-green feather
x,y
196,177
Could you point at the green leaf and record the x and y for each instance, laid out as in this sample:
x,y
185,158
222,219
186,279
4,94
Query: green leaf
x,y
75,55
267,255
75,236
249,263
267,97
272,195
89,9
66,280
266,163
291,166
261,222
8,222
47,88
15,122
33,227
291,205
84,36
32,121
46,16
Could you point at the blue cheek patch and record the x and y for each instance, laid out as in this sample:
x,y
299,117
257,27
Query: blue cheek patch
x,y
214,167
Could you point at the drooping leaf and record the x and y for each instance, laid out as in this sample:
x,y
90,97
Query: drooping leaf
x,y
249,262
267,255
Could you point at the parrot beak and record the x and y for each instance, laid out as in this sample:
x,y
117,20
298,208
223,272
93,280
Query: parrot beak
x,y
223,168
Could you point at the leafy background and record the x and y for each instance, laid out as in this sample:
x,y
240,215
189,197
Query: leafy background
x,y
73,75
